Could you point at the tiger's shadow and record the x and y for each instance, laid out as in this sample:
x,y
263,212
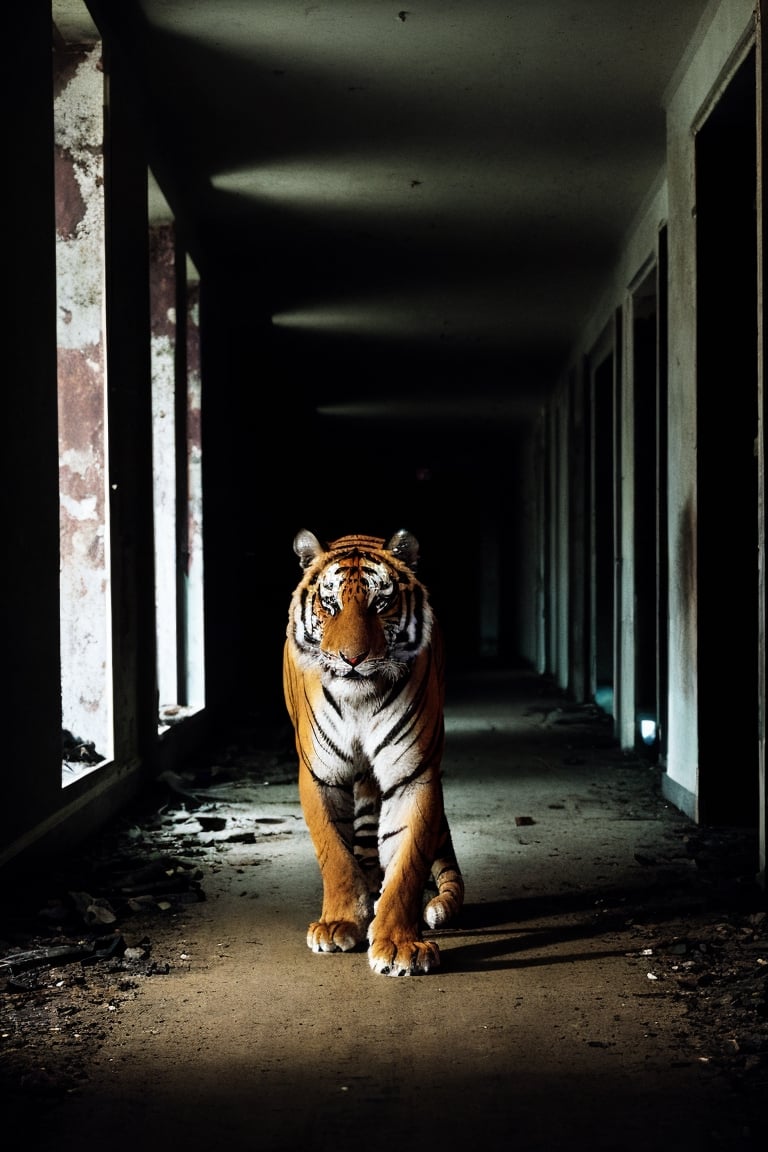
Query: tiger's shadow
x,y
503,933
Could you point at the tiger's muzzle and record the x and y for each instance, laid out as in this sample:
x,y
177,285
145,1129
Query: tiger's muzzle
x,y
354,637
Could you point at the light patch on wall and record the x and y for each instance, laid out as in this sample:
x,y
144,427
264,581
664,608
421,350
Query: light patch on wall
x,y
485,409
355,181
418,184
386,318
464,319
300,180
342,318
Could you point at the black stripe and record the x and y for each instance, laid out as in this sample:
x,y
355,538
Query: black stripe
x,y
423,767
330,699
321,733
411,713
396,832
394,692
343,787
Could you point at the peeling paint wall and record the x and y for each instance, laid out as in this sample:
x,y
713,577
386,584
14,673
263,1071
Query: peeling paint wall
x,y
84,577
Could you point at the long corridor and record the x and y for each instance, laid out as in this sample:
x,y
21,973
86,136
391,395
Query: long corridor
x,y
567,1013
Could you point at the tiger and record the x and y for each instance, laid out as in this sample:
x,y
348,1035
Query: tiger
x,y
364,686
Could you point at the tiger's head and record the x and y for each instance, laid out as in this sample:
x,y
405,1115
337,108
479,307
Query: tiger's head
x,y
359,614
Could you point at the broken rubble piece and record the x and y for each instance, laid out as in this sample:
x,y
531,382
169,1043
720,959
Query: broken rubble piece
x,y
93,910
54,956
76,750
131,955
37,957
141,903
115,946
212,823
156,969
522,821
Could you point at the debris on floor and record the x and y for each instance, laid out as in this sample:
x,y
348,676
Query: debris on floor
x,y
79,940
77,750
81,943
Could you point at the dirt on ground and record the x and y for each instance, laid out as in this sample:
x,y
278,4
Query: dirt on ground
x,y
83,940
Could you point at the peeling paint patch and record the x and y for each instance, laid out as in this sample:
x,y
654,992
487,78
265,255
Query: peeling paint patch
x,y
70,205
79,182
162,263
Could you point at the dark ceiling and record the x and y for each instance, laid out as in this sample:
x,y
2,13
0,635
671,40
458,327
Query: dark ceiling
x,y
441,189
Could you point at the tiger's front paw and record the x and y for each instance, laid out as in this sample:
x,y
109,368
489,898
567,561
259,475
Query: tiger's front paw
x,y
334,936
403,957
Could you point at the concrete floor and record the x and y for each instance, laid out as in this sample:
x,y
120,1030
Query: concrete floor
x,y
557,1019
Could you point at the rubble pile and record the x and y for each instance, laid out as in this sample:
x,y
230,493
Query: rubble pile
x,y
78,940
71,955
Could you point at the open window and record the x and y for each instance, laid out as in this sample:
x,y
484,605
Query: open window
x,y
177,469
85,616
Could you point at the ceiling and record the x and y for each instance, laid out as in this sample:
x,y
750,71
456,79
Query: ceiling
x,y
419,194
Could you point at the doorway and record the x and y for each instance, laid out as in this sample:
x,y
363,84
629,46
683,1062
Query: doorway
x,y
727,480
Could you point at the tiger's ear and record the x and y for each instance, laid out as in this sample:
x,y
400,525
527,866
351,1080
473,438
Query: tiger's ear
x,y
307,547
405,546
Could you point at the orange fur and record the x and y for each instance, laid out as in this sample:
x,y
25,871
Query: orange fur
x,y
363,682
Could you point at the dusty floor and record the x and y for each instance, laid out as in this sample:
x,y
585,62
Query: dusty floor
x,y
605,988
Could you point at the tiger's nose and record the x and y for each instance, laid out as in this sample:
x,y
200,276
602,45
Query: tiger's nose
x,y
353,661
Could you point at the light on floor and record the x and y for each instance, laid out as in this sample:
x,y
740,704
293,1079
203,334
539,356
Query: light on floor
x,y
648,731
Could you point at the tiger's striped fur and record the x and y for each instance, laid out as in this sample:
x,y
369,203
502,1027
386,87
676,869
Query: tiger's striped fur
x,y
363,680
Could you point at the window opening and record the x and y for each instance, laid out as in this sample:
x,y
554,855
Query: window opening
x,y
193,569
85,615
177,471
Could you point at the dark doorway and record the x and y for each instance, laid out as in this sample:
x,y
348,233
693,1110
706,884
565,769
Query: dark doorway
x,y
645,544
727,527
603,531
662,504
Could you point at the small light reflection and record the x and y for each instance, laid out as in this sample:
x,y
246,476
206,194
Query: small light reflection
x,y
648,731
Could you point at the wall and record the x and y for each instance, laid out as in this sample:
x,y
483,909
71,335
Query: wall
x,y
39,816
247,510
29,459
723,40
